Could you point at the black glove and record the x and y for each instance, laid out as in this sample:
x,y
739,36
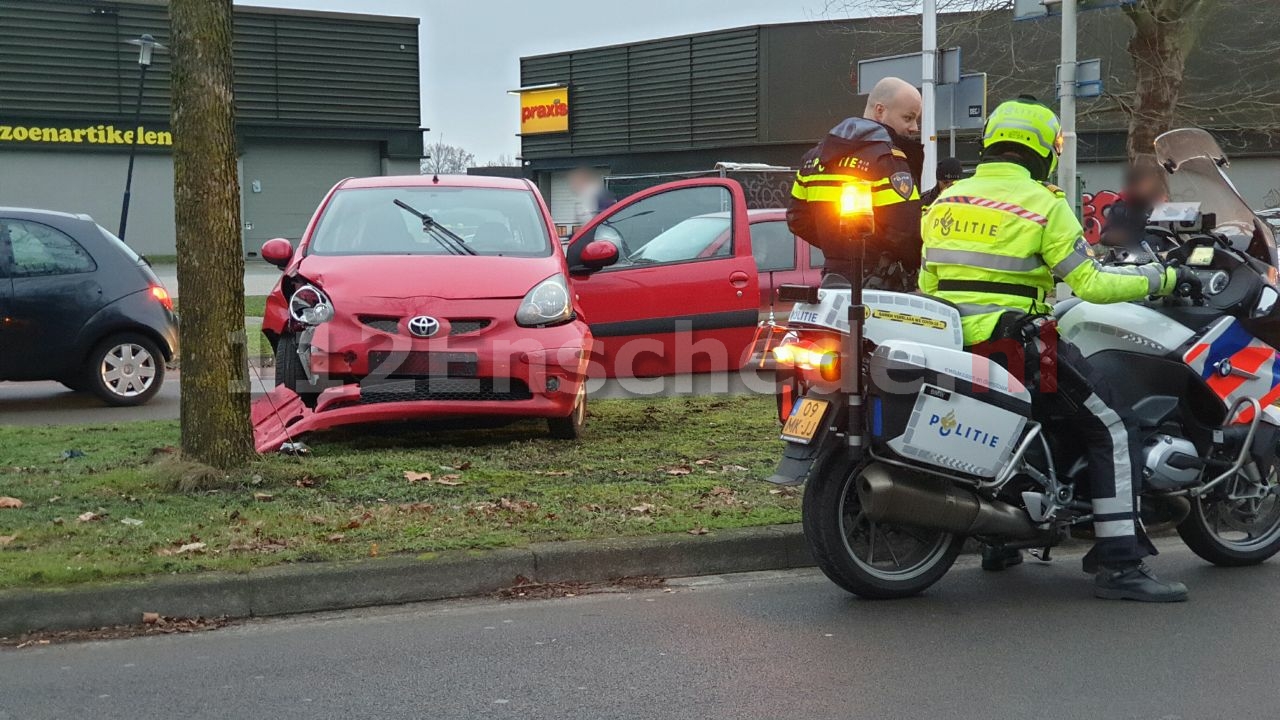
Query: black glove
x,y
1187,284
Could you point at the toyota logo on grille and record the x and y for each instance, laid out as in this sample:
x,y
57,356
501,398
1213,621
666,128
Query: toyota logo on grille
x,y
424,326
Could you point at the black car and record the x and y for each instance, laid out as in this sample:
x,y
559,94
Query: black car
x,y
79,306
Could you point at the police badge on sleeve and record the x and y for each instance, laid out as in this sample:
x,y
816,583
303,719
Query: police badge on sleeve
x,y
903,183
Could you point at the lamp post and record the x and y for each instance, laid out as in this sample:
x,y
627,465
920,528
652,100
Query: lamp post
x,y
146,46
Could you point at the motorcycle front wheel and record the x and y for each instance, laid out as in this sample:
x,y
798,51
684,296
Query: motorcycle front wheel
x,y
1234,532
871,560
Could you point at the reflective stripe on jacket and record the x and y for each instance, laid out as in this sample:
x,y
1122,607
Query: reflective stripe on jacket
x,y
995,242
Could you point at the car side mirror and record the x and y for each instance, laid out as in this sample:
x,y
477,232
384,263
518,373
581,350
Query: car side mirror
x,y
598,254
278,252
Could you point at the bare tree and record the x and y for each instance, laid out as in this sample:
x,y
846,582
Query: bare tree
x,y
503,160
1164,32
214,408
446,159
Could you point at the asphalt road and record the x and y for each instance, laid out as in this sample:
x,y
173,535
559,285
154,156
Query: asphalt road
x,y
49,403
1031,643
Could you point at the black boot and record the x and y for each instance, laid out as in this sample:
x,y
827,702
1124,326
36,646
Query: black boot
x,y
1135,581
997,558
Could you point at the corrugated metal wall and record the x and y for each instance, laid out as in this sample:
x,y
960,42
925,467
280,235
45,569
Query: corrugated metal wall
x,y
64,59
675,94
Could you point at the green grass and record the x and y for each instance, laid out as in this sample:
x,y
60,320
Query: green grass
x,y
351,499
161,259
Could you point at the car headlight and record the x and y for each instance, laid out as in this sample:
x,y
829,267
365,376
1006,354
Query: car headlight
x,y
310,306
548,303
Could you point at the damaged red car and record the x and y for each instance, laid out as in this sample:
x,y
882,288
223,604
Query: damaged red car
x,y
423,298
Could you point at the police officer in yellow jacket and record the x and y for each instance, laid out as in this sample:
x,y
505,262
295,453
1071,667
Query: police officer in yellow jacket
x,y
993,245
877,148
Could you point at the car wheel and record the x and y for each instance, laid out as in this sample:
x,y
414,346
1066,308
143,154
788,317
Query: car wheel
x,y
289,370
124,370
570,428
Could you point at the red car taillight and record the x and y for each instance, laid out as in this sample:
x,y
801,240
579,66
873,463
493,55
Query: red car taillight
x,y
159,293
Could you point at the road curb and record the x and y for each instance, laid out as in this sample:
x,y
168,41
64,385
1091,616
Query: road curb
x,y
315,587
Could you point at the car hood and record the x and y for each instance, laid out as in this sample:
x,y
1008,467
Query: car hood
x,y
406,276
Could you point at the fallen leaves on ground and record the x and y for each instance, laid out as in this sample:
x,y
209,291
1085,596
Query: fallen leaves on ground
x,y
88,517
373,550
195,547
161,626
526,589
263,497
733,468
679,470
414,477
357,522
306,482
643,508
6,539
150,618
336,538
10,503
786,492
450,480
703,462
554,473
131,522
700,531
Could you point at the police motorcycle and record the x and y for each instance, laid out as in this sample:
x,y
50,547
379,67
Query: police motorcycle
x,y
909,445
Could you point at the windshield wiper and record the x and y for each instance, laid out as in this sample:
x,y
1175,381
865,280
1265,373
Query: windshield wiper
x,y
447,238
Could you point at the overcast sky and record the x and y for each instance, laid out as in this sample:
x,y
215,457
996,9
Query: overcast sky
x,y
471,49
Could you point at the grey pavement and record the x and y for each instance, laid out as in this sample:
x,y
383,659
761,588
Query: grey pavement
x,y
49,403
259,277
1028,643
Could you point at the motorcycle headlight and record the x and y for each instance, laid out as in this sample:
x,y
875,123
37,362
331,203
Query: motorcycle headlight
x,y
548,303
310,306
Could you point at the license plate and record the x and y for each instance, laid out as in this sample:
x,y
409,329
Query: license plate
x,y
804,421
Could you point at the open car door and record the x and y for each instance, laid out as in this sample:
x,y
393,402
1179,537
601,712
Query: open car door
x,y
667,282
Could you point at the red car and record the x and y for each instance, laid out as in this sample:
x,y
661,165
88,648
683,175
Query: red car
x,y
411,298
414,297
694,271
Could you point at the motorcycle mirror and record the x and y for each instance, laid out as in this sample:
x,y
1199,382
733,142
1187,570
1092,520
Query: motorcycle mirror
x,y
1266,302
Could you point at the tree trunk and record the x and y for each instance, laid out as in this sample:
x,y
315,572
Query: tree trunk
x,y
1165,31
215,399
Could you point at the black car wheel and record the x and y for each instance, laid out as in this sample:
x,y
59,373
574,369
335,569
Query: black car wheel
x,y
570,428
124,370
289,370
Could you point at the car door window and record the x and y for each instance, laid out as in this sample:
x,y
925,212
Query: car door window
x,y
773,246
816,258
681,225
35,250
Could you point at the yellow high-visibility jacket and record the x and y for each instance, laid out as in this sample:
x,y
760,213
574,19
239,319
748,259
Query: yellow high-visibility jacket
x,y
995,242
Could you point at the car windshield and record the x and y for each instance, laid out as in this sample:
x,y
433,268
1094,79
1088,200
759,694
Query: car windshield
x,y
1196,163
703,236
492,221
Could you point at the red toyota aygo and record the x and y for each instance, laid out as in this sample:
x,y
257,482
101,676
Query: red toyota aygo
x,y
418,297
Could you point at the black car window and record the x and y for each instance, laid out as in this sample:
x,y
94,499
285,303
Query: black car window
x,y
34,249
773,246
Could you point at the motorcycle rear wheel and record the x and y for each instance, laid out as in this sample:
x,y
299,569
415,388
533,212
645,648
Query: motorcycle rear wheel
x,y
1233,533
877,561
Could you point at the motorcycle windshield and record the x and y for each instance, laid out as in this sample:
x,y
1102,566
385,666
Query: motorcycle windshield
x,y
1195,163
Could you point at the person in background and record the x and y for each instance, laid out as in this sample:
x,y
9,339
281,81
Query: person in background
x,y
590,195
1144,188
949,171
879,148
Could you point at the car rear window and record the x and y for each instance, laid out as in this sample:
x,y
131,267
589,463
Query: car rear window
x,y
490,221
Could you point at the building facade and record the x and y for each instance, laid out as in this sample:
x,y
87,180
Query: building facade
x,y
766,94
319,97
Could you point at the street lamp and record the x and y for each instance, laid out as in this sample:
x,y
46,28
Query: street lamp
x,y
146,46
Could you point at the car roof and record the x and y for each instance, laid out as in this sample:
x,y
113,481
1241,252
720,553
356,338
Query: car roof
x,y
467,181
44,213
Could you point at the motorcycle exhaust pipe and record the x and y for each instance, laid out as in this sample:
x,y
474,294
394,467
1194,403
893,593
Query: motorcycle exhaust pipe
x,y
935,504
